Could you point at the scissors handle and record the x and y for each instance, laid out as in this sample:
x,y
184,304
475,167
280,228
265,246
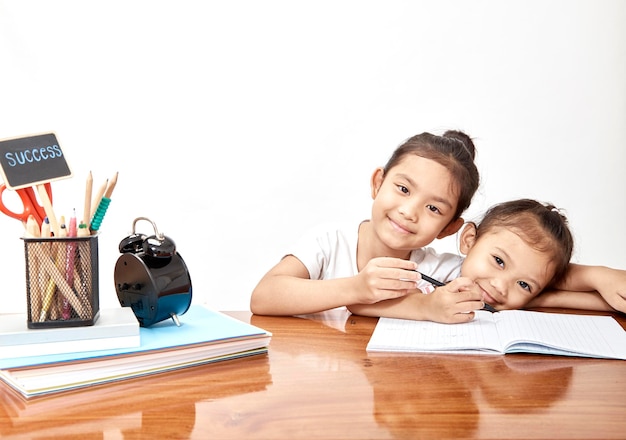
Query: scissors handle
x,y
23,216
29,203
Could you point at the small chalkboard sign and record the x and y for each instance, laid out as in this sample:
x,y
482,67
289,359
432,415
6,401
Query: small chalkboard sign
x,y
32,160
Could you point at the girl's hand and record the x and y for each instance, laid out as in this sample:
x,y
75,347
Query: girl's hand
x,y
385,278
612,286
455,302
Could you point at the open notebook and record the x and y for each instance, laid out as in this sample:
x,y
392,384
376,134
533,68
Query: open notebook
x,y
510,331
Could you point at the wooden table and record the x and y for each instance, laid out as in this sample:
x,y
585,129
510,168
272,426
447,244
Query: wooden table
x,y
318,382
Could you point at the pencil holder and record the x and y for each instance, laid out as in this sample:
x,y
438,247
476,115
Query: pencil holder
x,y
62,281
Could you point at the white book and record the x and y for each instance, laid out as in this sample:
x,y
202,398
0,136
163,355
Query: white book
x,y
114,328
509,331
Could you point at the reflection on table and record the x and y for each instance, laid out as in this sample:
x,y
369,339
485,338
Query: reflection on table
x,y
317,381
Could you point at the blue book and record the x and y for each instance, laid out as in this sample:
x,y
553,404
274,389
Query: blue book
x,y
204,336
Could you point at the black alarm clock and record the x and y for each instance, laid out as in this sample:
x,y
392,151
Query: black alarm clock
x,y
152,278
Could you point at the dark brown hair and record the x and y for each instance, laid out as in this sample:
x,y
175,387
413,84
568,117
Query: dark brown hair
x,y
541,225
455,151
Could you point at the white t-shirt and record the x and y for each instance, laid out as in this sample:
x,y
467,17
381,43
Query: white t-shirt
x,y
329,251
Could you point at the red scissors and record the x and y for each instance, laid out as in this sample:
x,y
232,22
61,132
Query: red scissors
x,y
29,201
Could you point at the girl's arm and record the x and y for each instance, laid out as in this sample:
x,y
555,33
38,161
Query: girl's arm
x,y
587,287
287,289
570,300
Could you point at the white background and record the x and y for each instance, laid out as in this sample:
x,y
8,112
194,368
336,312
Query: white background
x,y
237,125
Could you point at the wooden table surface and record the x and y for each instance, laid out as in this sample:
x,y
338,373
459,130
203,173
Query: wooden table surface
x,y
318,382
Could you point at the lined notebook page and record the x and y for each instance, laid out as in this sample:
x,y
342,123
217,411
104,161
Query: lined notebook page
x,y
406,335
524,331
584,334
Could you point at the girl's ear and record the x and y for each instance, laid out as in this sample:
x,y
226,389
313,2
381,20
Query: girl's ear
x,y
377,181
468,238
452,228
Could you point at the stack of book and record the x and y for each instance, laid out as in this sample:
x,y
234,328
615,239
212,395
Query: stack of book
x,y
204,336
114,328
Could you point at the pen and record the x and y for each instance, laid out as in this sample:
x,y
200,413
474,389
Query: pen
x,y
432,281
489,308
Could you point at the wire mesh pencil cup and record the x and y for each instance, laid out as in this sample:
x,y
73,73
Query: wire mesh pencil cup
x,y
62,281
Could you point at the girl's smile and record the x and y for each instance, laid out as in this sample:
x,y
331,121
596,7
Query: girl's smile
x,y
508,270
413,204
399,227
487,298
